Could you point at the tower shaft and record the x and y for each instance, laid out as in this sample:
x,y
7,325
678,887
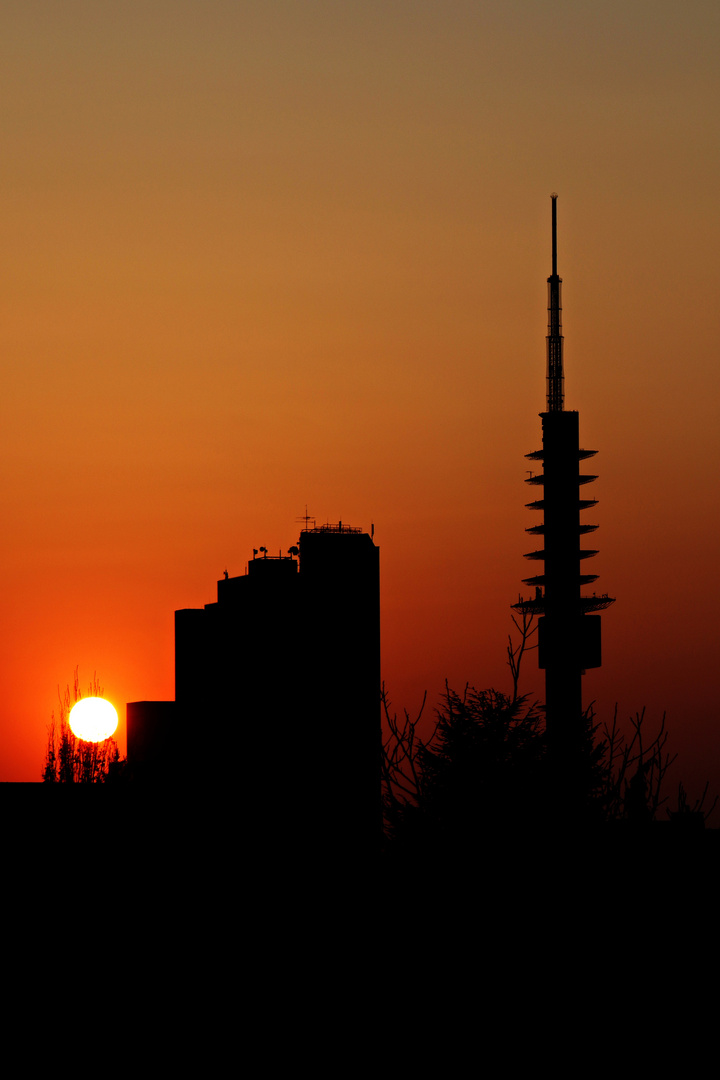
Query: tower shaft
x,y
568,632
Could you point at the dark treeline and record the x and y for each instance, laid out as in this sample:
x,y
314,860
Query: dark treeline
x,y
483,769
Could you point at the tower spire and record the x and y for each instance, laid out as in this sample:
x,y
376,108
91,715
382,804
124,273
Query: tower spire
x,y
555,377
569,626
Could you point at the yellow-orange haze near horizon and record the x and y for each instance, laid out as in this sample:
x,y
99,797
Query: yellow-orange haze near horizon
x,y
261,256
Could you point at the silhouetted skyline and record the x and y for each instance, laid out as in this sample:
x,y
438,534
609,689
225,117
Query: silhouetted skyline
x,y
257,256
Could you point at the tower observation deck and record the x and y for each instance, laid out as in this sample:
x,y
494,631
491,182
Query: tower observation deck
x,y
569,626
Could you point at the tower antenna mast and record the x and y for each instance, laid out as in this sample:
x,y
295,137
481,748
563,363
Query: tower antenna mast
x,y
569,640
555,377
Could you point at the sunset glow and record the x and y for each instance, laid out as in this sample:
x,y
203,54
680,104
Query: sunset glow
x,y
258,256
93,719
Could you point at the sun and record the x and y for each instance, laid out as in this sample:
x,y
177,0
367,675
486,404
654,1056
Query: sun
x,y
93,719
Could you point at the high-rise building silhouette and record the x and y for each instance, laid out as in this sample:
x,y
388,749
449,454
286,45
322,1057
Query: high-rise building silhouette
x,y
277,690
568,627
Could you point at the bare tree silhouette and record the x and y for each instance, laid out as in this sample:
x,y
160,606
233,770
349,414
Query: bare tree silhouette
x,y
69,760
483,766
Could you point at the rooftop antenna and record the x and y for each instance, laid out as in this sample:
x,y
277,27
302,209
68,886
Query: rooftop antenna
x,y
307,518
555,378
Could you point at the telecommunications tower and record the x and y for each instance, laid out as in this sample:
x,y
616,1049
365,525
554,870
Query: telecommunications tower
x,y
568,627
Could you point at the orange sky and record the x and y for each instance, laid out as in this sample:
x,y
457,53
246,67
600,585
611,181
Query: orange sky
x,y
258,255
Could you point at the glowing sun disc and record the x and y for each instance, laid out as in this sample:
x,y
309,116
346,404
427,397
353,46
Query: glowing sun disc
x,y
93,719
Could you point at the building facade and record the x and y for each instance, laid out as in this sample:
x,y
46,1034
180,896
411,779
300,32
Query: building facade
x,y
277,689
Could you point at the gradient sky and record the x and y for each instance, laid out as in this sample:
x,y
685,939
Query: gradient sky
x,y
258,255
